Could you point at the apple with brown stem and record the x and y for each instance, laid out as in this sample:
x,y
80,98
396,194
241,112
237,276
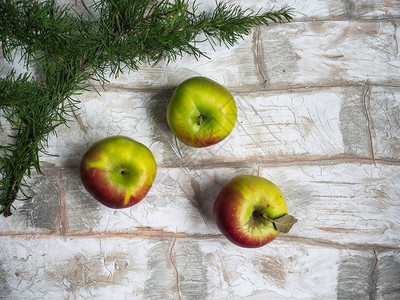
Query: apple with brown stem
x,y
118,171
201,112
251,211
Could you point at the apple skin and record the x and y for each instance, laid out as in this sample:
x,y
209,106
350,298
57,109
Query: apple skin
x,y
118,171
240,205
201,112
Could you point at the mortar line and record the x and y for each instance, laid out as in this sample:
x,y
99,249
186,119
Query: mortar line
x,y
252,89
277,162
366,95
63,222
373,276
163,235
175,269
260,65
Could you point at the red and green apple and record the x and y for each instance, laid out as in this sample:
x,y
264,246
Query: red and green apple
x,y
118,171
251,211
201,112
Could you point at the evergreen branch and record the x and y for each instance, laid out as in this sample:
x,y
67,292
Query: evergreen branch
x,y
229,23
69,50
35,27
35,112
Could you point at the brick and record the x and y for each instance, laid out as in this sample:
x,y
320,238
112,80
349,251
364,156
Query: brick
x,y
384,105
282,125
150,268
328,53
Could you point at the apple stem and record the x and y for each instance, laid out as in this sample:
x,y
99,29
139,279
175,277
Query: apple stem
x,y
282,224
201,117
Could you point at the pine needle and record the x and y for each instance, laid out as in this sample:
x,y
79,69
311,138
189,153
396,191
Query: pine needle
x,y
68,50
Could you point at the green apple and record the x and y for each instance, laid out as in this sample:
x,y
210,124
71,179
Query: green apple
x,y
251,211
201,112
118,171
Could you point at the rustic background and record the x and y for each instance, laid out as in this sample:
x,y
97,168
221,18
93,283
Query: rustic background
x,y
319,115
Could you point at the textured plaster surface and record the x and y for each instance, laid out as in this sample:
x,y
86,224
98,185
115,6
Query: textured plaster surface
x,y
318,114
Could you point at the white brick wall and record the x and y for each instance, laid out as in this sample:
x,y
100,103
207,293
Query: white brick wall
x,y
318,114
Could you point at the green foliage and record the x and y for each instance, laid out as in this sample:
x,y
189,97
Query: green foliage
x,y
68,50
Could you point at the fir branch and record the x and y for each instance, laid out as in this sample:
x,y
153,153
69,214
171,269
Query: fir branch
x,y
69,50
34,111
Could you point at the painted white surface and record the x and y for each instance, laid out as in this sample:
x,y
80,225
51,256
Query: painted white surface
x,y
318,114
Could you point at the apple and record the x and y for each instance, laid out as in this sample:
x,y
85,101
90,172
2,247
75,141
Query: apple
x,y
251,211
201,112
118,171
